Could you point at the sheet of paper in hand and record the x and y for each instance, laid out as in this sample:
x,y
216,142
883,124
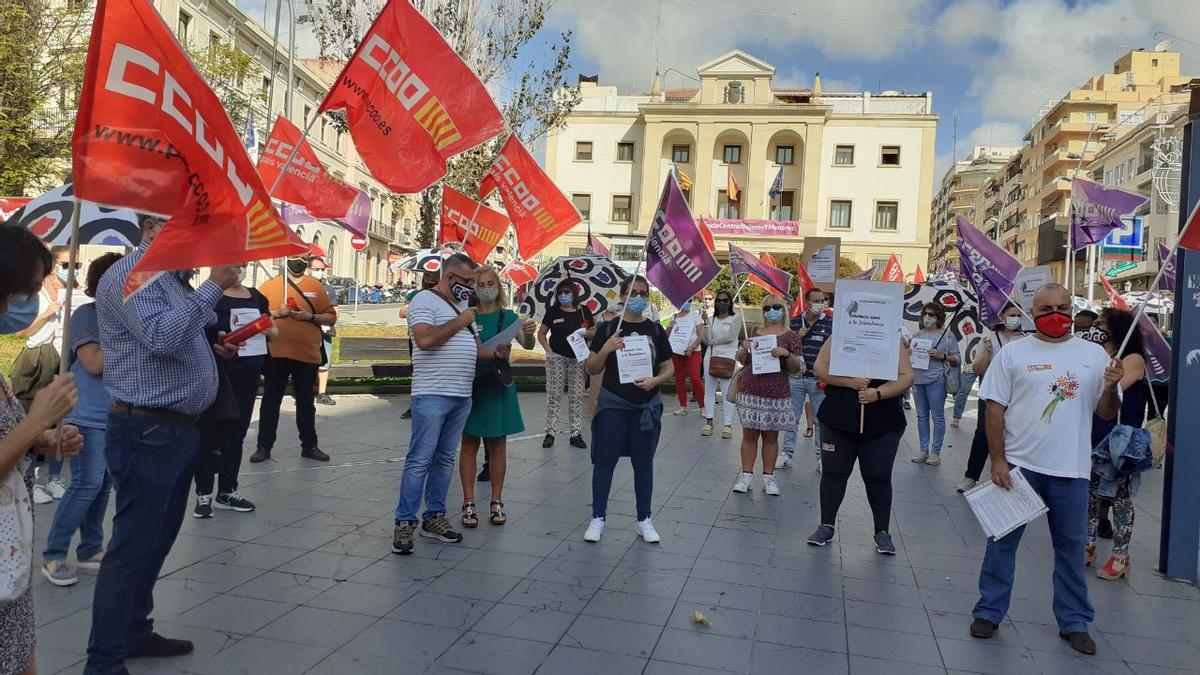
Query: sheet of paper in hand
x,y
578,344
634,360
761,361
920,352
867,319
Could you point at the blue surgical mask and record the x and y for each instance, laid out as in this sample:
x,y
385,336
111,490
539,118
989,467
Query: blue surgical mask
x,y
773,315
686,307
636,305
63,274
20,313
565,299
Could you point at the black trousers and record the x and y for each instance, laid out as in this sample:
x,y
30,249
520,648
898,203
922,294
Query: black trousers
x,y
221,452
304,387
875,453
979,445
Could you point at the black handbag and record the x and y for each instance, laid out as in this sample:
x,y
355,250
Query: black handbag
x,y
499,372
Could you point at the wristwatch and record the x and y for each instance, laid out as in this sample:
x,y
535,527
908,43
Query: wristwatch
x,y
878,394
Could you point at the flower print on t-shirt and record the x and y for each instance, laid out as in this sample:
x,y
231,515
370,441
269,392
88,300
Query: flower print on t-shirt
x,y
1062,389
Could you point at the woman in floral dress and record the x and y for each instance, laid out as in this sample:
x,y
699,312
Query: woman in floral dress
x,y
24,263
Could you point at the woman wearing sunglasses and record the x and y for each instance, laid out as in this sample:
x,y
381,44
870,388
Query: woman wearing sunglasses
x,y
628,416
764,401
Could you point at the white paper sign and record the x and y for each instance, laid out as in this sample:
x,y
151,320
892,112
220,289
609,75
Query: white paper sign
x,y
682,335
255,346
1026,283
822,266
506,336
578,344
867,321
1001,511
920,352
634,359
761,361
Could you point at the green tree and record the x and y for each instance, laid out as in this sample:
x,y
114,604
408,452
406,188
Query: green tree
x,y
42,52
493,37
847,268
428,217
227,70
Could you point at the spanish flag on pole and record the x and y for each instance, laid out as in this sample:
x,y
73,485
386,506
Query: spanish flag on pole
x,y
732,189
685,181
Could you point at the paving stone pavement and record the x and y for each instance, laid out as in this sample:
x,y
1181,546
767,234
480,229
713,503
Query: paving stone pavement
x,y
307,583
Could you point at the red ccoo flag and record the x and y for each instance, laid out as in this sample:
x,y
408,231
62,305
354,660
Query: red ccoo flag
x,y
520,272
152,136
538,210
475,225
806,283
707,234
410,100
918,276
1114,297
306,181
893,271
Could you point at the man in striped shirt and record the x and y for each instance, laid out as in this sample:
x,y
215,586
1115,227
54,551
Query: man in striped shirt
x,y
444,353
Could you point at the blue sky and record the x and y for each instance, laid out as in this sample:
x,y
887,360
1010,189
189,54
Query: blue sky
x,y
995,61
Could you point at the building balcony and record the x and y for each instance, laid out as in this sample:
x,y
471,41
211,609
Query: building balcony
x,y
1052,239
1056,184
382,230
1063,128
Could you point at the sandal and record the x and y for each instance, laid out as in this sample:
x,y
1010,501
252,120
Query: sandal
x,y
470,515
808,433
498,517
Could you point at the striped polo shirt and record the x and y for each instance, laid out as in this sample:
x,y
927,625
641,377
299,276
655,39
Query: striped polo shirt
x,y
449,369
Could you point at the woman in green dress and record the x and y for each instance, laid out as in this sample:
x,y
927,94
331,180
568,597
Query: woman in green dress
x,y
495,413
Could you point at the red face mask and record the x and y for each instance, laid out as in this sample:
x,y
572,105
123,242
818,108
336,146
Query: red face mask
x,y
1054,324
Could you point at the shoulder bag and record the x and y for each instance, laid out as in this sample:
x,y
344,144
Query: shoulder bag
x,y
313,309
16,534
720,367
951,374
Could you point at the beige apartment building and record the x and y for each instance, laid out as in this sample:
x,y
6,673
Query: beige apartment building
x,y
1068,133
964,181
858,165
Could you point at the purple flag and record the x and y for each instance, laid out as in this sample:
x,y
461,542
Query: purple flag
x,y
597,247
866,274
1097,210
355,221
677,261
1156,351
1166,257
989,269
741,262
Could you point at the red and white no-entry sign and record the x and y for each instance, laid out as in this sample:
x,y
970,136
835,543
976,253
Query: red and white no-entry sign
x,y
358,243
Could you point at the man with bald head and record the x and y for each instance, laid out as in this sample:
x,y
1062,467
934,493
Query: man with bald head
x,y
1041,394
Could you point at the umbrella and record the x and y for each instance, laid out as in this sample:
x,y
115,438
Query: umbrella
x,y
49,217
425,260
598,279
1156,303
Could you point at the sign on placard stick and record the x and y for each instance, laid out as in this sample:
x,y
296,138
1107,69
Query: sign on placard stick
x,y
866,331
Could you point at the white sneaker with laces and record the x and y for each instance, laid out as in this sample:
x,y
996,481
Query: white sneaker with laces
x,y
966,484
770,486
779,461
594,530
649,534
920,458
56,487
743,482
40,496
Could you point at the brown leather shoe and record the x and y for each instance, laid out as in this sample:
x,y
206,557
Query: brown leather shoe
x,y
314,453
982,628
260,455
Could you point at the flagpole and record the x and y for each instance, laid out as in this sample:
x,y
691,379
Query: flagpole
x,y
1162,269
467,234
72,258
357,292
637,269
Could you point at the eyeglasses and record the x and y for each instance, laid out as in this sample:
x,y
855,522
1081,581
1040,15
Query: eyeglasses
x,y
67,265
932,316
767,307
640,294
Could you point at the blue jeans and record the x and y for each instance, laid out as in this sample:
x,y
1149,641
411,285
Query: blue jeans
x,y
437,426
965,382
152,460
931,402
82,507
804,387
1067,499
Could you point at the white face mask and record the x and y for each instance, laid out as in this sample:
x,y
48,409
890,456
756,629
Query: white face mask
x,y
1012,322
318,274
928,321
241,275
818,307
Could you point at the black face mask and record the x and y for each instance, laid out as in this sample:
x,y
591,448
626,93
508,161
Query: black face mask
x,y
723,306
297,267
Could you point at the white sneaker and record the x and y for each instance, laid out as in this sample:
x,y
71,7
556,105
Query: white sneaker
x,y
966,484
934,460
594,529
727,432
743,482
41,496
769,485
56,488
920,458
649,534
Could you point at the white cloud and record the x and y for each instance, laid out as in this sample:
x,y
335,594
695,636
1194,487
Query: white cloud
x,y
989,133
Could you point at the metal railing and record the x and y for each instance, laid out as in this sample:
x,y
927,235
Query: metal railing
x,y
381,229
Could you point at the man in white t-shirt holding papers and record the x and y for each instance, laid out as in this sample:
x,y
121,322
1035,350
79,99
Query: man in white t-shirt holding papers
x,y
1041,394
445,349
